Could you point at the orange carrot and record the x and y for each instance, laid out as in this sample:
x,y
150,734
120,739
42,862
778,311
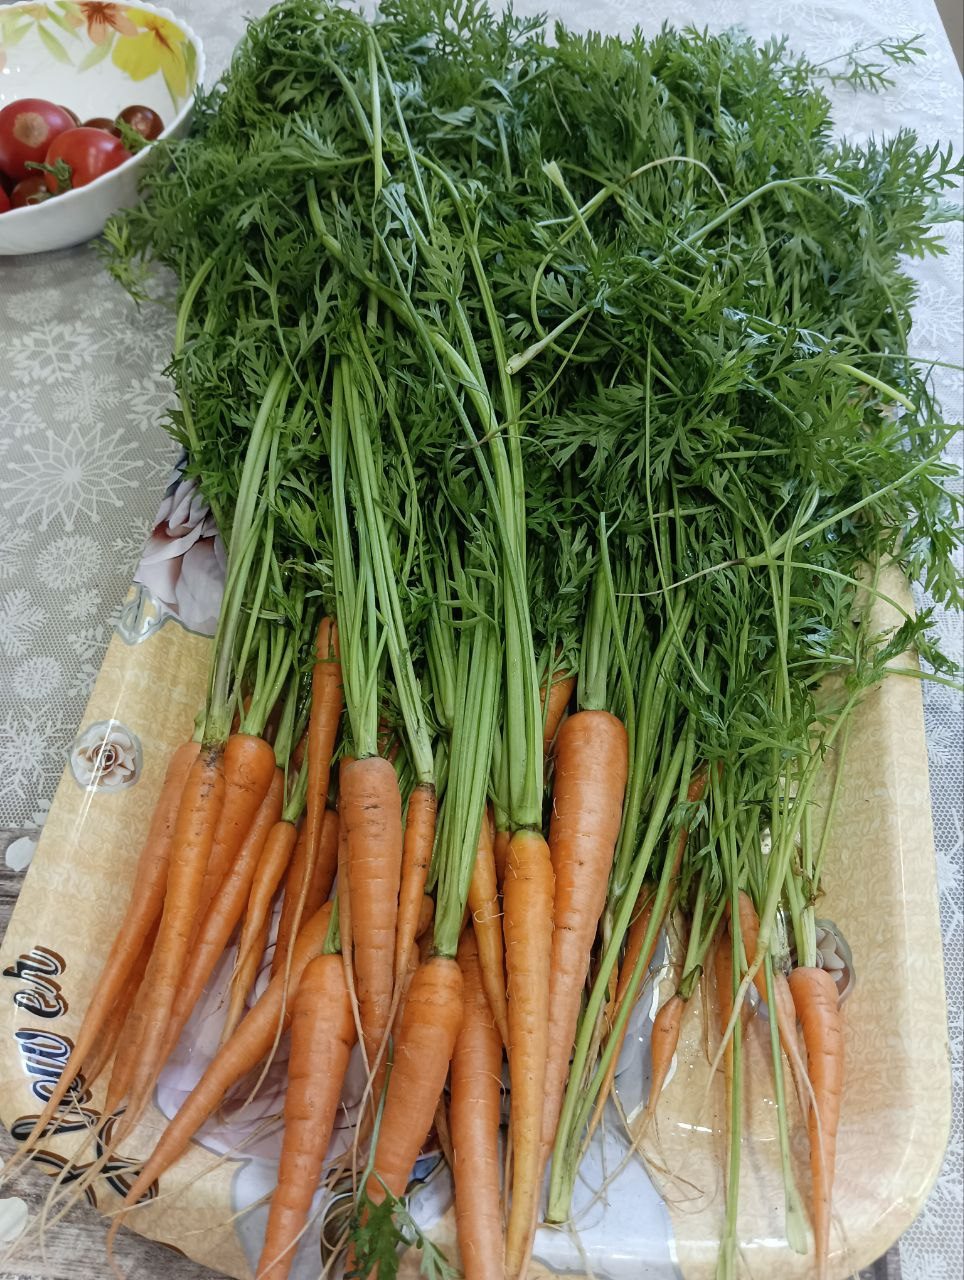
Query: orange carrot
x,y
109,1036
487,927
592,763
426,914
197,820
319,885
527,923
292,892
344,911
223,913
665,1039
554,708
322,1035
371,809
317,869
147,897
500,850
634,945
125,1059
403,988
426,1040
251,1041
249,766
814,995
257,919
474,1114
786,1018
416,856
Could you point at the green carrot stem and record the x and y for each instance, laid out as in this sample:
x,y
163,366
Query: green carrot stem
x,y
240,556
407,685
295,804
795,1218
650,717
463,809
332,944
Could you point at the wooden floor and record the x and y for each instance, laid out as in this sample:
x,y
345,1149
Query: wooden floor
x,y
75,1248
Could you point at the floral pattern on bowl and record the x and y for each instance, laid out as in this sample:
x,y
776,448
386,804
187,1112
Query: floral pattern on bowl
x,y
96,58
139,42
106,756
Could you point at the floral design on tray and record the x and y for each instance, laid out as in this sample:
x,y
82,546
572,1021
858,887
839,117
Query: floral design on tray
x,y
106,756
83,33
181,571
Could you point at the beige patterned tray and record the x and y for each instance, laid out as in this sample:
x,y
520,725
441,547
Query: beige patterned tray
x,y
880,889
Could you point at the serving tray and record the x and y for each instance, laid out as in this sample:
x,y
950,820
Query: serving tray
x,y
633,1221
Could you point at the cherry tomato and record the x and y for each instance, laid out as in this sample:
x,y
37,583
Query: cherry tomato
x,y
4,201
73,114
29,190
88,153
101,122
6,184
147,122
27,128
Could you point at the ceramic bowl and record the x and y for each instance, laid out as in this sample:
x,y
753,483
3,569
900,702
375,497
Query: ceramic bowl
x,y
96,59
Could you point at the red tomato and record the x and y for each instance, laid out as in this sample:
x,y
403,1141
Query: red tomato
x,y
88,153
27,128
101,122
6,184
73,114
29,190
4,201
145,121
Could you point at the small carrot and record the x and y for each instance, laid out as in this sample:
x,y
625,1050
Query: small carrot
x,y
249,766
527,923
322,1035
487,927
426,914
319,886
257,919
147,897
109,1036
416,856
554,708
319,862
223,914
426,1040
250,1042
592,764
634,945
197,820
126,1058
344,913
402,989
371,809
665,1040
474,1114
786,1018
500,850
814,995
289,903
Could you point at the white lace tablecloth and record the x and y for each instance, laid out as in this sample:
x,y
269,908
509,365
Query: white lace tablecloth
x,y
84,458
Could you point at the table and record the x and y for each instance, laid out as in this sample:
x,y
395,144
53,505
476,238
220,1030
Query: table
x,y
83,461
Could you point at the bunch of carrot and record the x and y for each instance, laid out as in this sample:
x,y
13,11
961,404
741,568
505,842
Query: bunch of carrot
x,y
548,472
